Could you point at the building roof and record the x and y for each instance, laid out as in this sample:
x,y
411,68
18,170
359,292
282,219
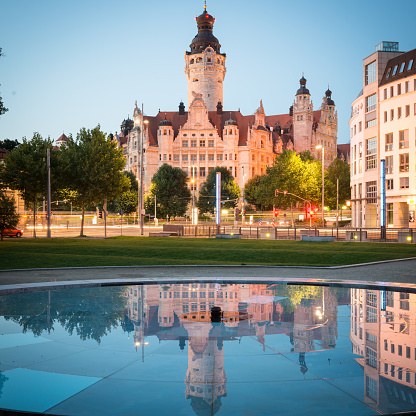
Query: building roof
x,y
62,138
399,67
2,153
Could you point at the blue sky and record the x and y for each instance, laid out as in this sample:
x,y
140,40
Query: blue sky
x,y
79,63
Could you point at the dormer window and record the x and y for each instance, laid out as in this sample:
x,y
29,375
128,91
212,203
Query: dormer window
x,y
395,70
388,73
402,67
409,67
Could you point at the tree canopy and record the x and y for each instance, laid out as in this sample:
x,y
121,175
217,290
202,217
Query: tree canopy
x,y
93,167
170,185
8,145
8,215
340,170
230,192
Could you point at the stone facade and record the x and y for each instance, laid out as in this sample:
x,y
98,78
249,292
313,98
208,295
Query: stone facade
x,y
206,136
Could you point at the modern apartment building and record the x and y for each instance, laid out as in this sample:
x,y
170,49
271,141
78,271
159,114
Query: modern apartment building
x,y
382,127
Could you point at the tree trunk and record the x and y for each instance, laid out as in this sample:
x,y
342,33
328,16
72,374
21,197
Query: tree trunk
x,y
291,209
34,218
82,220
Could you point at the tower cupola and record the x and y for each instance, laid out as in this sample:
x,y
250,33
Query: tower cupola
x,y
302,90
328,94
205,36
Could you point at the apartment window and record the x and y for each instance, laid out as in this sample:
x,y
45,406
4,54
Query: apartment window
x,y
210,143
404,303
399,112
202,143
385,93
184,158
404,183
385,116
202,158
202,172
176,158
219,157
404,162
410,65
371,388
370,73
391,92
371,357
389,142
184,143
395,70
360,126
371,154
211,157
193,143
389,183
389,164
399,350
389,213
399,89
370,123
392,114
370,103
403,139
407,110
407,353
406,87
194,158
371,192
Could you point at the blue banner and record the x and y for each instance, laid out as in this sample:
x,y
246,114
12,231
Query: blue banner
x,y
382,193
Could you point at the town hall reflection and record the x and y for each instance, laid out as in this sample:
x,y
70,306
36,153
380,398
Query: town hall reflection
x,y
201,317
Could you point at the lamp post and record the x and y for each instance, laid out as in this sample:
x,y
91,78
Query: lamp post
x,y
320,146
193,194
141,193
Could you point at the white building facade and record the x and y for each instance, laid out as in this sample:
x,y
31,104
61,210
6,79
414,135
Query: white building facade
x,y
382,126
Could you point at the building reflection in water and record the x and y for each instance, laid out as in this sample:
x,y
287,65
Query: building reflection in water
x,y
383,334
182,312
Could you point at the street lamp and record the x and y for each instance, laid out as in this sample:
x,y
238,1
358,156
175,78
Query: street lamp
x,y
141,205
320,146
193,194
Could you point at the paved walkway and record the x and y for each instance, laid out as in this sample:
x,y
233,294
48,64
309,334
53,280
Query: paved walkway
x,y
396,273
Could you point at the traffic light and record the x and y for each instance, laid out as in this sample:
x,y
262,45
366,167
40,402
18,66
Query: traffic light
x,y
276,192
100,214
276,212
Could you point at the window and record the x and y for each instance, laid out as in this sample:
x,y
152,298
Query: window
x,y
193,143
202,172
184,143
399,89
399,350
176,158
184,158
407,110
371,192
402,67
202,158
360,126
389,216
385,93
389,183
370,103
211,157
404,183
394,70
371,388
194,158
399,112
389,164
388,73
392,114
210,143
371,154
370,123
410,65
406,86
371,357
385,116
403,139
389,142
370,73
404,162
219,157
389,293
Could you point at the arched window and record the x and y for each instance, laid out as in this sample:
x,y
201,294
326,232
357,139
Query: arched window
x,y
192,61
195,79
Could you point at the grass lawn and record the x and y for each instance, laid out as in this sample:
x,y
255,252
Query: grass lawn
x,y
129,251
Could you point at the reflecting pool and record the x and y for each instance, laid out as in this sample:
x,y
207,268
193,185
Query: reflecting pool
x,y
208,348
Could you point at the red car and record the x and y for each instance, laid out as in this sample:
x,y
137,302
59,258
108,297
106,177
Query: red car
x,y
12,232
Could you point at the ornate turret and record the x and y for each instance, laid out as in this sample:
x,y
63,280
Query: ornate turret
x,y
126,126
205,36
302,90
328,94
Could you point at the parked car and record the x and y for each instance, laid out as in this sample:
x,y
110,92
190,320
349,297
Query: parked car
x,y
12,232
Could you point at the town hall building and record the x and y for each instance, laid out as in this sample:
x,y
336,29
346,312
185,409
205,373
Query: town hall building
x,y
206,136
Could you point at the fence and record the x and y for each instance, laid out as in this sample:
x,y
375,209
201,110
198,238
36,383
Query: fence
x,y
402,235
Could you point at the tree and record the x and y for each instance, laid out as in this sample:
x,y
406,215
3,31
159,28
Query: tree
x,y
170,185
93,168
3,109
230,192
8,145
251,190
340,170
8,215
128,200
25,170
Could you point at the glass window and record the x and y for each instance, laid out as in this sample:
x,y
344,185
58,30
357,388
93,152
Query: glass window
x,y
370,73
399,89
410,65
184,158
370,103
389,142
399,112
389,164
184,143
371,154
210,143
176,158
395,70
407,110
403,139
404,162
202,158
219,157
402,67
371,192
194,158
193,143
388,72
406,86
389,216
202,172
202,143
211,157
389,183
404,183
